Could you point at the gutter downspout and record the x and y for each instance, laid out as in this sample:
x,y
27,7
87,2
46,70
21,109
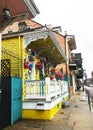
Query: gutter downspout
x,y
22,65
20,73
65,51
67,74
0,51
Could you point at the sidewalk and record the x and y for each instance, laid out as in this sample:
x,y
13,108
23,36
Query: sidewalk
x,y
75,117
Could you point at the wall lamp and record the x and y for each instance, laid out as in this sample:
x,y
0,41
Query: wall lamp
x,y
5,13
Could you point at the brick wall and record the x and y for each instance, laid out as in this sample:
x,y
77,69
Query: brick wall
x,y
14,27
61,41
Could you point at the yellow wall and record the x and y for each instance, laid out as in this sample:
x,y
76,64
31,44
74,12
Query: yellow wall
x,y
12,49
41,114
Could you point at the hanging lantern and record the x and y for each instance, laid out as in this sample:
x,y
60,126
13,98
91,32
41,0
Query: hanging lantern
x,y
5,13
52,71
31,66
27,65
39,65
51,77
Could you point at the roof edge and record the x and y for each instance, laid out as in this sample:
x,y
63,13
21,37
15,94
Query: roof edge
x,y
32,7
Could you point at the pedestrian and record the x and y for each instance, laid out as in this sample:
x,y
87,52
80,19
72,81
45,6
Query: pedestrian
x,y
89,86
92,74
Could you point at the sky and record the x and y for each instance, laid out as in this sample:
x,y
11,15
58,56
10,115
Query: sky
x,y
75,17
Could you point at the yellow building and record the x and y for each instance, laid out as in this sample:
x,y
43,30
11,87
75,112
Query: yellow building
x,y
32,56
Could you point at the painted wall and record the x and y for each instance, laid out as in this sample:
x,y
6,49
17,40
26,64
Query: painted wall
x,y
41,114
12,49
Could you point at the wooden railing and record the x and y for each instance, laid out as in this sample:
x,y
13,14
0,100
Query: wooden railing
x,y
40,89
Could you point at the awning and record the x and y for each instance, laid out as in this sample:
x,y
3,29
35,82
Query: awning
x,y
18,9
47,46
71,42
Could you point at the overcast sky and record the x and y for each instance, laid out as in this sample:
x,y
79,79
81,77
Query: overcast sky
x,y
75,17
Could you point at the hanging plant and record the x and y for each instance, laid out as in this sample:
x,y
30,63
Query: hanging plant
x,y
39,65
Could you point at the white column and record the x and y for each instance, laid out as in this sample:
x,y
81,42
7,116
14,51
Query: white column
x,y
74,84
33,71
47,82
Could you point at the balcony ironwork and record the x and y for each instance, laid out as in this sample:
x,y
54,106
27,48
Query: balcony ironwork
x,y
72,64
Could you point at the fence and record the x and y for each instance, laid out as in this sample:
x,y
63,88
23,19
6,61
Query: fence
x,y
39,89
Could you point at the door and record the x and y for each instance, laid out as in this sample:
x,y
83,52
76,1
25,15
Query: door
x,y
16,98
5,102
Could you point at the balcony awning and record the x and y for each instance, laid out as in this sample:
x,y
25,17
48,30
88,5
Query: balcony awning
x,y
71,42
18,9
47,46
44,42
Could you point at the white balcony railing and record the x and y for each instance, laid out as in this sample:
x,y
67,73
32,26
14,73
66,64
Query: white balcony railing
x,y
46,90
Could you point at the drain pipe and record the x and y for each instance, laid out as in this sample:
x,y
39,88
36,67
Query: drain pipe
x,y
0,50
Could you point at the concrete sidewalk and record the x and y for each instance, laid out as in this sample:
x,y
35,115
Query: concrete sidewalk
x,y
75,117
81,118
